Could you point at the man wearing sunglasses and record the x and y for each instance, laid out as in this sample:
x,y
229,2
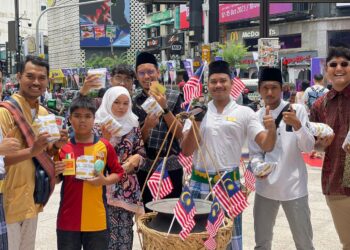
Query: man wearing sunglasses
x,y
334,110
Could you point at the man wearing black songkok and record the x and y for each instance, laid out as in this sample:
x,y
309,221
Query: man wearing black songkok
x,y
223,130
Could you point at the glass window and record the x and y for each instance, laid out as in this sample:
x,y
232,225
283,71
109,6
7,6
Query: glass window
x,y
339,38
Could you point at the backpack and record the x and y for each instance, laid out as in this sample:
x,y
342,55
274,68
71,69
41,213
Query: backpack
x,y
313,95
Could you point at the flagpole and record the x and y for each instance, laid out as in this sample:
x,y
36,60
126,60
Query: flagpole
x,y
206,198
171,225
161,176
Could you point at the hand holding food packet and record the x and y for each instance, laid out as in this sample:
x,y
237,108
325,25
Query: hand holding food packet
x,y
319,129
111,125
151,106
47,123
101,78
157,88
261,168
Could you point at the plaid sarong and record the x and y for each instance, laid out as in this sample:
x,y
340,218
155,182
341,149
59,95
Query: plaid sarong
x,y
200,189
43,158
3,231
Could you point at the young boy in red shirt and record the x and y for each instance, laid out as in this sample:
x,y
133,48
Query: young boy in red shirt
x,y
82,219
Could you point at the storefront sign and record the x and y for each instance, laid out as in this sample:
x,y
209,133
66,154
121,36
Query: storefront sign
x,y
170,39
206,53
256,33
153,42
176,48
268,52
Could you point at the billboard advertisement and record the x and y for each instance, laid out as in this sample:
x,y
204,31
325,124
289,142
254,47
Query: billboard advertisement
x,y
236,12
102,25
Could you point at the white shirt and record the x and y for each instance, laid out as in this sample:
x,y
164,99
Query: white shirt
x,y
2,164
224,135
288,181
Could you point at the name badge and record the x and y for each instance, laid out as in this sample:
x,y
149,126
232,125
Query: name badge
x,y
230,119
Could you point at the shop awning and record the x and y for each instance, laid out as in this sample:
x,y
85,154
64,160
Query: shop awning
x,y
166,22
148,26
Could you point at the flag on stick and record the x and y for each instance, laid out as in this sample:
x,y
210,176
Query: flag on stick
x,y
184,212
153,183
230,196
237,87
193,87
186,163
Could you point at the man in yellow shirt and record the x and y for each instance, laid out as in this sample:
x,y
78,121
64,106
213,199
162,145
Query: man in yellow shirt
x,y
20,209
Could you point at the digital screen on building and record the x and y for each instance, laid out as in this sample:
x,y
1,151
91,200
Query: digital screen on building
x,y
105,25
236,12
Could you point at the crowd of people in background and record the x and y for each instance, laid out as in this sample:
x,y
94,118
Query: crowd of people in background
x,y
99,213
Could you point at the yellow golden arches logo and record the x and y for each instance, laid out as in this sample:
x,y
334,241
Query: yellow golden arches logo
x,y
234,36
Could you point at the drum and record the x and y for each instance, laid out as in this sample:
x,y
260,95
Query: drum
x,y
154,227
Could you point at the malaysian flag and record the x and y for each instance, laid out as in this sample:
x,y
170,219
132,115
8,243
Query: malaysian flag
x,y
237,87
215,219
193,87
210,243
233,201
166,184
249,179
186,163
184,212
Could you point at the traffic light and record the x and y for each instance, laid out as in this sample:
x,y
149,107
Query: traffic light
x,y
196,18
214,33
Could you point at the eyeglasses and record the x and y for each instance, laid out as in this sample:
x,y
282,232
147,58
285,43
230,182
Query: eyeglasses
x,y
343,64
121,80
148,72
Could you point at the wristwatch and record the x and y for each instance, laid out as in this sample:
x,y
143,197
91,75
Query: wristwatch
x,y
166,110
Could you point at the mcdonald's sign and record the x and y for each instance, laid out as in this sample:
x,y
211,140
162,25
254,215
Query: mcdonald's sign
x,y
234,36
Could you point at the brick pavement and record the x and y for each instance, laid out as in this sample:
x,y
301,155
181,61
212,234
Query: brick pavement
x,y
325,237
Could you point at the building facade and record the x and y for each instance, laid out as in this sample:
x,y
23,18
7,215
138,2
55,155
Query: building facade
x,y
66,49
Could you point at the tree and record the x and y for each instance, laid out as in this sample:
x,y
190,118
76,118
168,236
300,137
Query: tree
x,y
99,61
233,53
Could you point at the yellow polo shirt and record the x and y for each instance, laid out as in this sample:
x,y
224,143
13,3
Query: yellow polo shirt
x,y
19,182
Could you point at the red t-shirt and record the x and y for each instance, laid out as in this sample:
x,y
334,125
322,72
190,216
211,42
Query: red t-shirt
x,y
83,206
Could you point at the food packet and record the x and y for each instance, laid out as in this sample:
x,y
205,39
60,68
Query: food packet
x,y
261,168
70,164
157,88
101,73
47,123
111,125
319,129
346,141
85,167
151,106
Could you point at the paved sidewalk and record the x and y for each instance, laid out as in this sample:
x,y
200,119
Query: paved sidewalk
x,y
325,237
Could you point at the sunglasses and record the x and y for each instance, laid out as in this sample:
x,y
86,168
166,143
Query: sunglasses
x,y
343,64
